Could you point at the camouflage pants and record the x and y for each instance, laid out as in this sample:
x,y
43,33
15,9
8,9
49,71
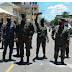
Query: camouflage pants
x,y
21,45
43,42
11,44
18,49
56,51
67,50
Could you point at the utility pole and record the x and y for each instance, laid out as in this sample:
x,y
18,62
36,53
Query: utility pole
x,y
31,11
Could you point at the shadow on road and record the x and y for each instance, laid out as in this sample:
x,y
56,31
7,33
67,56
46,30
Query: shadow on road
x,y
16,56
39,58
21,63
6,60
58,63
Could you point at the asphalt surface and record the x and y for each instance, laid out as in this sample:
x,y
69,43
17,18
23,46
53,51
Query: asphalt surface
x,y
40,65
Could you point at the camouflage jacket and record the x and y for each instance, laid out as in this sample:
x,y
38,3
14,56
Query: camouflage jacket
x,y
61,36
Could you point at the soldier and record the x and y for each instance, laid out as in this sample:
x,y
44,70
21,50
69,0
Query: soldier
x,y
41,36
67,49
31,34
8,36
24,37
17,42
61,40
1,23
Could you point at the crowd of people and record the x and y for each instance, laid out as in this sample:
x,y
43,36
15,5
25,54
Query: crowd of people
x,y
23,33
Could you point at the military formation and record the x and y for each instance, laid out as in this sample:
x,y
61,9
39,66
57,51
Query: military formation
x,y
22,34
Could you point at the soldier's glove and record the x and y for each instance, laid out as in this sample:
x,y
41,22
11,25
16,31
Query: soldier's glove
x,y
53,38
67,45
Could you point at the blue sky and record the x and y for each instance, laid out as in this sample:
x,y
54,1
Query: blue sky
x,y
51,9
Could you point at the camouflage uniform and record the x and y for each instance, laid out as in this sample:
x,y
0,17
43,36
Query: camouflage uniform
x,y
31,34
1,23
61,39
23,36
41,38
8,36
17,43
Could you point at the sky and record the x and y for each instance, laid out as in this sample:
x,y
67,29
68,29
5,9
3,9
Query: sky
x,y
51,9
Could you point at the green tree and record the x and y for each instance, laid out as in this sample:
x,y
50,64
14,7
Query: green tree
x,y
54,22
65,14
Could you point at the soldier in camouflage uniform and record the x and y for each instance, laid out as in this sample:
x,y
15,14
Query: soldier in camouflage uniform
x,y
61,40
8,37
24,37
41,36
67,49
1,23
31,33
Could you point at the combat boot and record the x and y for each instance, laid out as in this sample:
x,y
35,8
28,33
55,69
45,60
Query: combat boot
x,y
44,57
27,60
36,56
3,58
55,61
67,55
62,62
21,60
10,58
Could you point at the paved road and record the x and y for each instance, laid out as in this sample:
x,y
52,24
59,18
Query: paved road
x,y
37,65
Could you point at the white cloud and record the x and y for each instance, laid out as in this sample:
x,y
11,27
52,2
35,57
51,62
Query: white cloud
x,y
57,9
68,3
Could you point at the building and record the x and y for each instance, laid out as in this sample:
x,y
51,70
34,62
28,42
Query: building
x,y
11,9
31,8
16,8
4,13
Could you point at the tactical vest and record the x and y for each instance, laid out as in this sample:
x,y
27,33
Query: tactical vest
x,y
64,30
42,32
25,31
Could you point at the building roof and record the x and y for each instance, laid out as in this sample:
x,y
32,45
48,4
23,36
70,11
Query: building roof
x,y
4,11
16,2
61,15
7,4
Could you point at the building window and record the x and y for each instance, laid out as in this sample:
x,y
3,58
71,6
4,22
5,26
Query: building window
x,y
35,2
34,13
32,8
26,8
35,8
